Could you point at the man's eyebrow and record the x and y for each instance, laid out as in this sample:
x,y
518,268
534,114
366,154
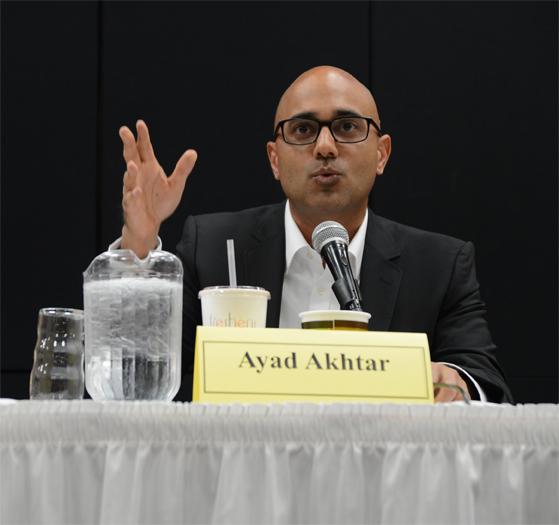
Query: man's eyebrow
x,y
337,113
306,114
346,113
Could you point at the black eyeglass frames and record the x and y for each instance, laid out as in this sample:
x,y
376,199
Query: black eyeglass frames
x,y
302,131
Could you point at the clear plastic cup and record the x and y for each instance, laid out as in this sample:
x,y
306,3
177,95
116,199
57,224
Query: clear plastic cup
x,y
58,358
335,320
241,307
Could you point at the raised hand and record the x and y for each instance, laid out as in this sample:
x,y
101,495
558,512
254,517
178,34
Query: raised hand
x,y
148,195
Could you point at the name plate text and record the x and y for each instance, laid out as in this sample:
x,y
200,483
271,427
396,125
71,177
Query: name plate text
x,y
275,365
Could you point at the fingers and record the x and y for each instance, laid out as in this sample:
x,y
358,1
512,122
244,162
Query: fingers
x,y
135,178
140,150
145,148
445,395
133,203
130,176
130,151
449,376
183,168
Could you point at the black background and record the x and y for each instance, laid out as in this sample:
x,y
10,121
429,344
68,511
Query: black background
x,y
468,92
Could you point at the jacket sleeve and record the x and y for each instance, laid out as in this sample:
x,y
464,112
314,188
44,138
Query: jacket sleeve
x,y
462,335
191,311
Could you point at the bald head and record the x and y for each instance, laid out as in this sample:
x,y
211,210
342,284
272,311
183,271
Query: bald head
x,y
327,178
325,83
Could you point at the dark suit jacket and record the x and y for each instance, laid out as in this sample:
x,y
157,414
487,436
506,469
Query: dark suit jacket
x,y
411,280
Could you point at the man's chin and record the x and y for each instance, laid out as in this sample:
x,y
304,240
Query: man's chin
x,y
326,207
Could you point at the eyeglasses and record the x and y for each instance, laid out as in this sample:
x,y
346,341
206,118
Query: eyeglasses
x,y
302,131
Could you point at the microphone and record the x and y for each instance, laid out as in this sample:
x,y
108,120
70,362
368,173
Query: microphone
x,y
331,240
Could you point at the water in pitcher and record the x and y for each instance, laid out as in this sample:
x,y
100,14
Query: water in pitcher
x,y
133,338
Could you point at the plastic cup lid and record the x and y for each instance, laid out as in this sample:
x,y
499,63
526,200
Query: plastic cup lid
x,y
239,291
334,315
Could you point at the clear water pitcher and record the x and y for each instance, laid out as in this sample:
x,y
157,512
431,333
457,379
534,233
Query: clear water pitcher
x,y
133,324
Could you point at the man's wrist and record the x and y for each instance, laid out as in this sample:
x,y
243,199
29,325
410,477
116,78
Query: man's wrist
x,y
141,246
115,245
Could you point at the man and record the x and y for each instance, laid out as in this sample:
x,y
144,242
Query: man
x,y
326,152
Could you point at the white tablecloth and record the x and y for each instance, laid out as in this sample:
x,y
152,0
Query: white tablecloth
x,y
147,462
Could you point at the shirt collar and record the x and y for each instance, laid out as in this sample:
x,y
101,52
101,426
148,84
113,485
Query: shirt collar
x,y
294,241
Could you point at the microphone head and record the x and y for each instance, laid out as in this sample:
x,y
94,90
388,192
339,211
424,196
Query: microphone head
x,y
326,232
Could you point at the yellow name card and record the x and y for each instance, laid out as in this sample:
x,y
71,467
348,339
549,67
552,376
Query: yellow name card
x,y
274,364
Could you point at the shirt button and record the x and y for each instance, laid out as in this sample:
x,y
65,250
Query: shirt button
x,y
322,291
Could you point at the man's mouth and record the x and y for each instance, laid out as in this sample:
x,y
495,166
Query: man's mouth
x,y
326,176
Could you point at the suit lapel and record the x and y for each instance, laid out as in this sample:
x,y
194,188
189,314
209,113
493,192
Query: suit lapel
x,y
380,274
265,260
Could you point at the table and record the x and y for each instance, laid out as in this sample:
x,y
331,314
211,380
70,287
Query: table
x,y
154,462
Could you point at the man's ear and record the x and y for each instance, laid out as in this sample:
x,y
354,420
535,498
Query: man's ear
x,y
384,148
273,158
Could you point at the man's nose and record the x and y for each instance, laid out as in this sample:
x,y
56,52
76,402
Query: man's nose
x,y
325,145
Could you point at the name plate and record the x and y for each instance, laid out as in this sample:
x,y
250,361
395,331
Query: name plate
x,y
274,365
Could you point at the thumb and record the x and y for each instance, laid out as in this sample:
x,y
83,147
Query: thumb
x,y
183,167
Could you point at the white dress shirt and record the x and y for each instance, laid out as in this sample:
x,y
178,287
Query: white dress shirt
x,y
307,283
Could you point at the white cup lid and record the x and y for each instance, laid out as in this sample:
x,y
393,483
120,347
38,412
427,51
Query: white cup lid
x,y
238,291
334,315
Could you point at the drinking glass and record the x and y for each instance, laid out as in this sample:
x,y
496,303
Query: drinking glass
x,y
59,354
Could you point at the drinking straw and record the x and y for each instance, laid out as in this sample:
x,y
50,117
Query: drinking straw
x,y
231,263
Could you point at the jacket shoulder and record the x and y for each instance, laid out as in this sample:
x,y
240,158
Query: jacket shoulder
x,y
411,238
237,221
203,231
